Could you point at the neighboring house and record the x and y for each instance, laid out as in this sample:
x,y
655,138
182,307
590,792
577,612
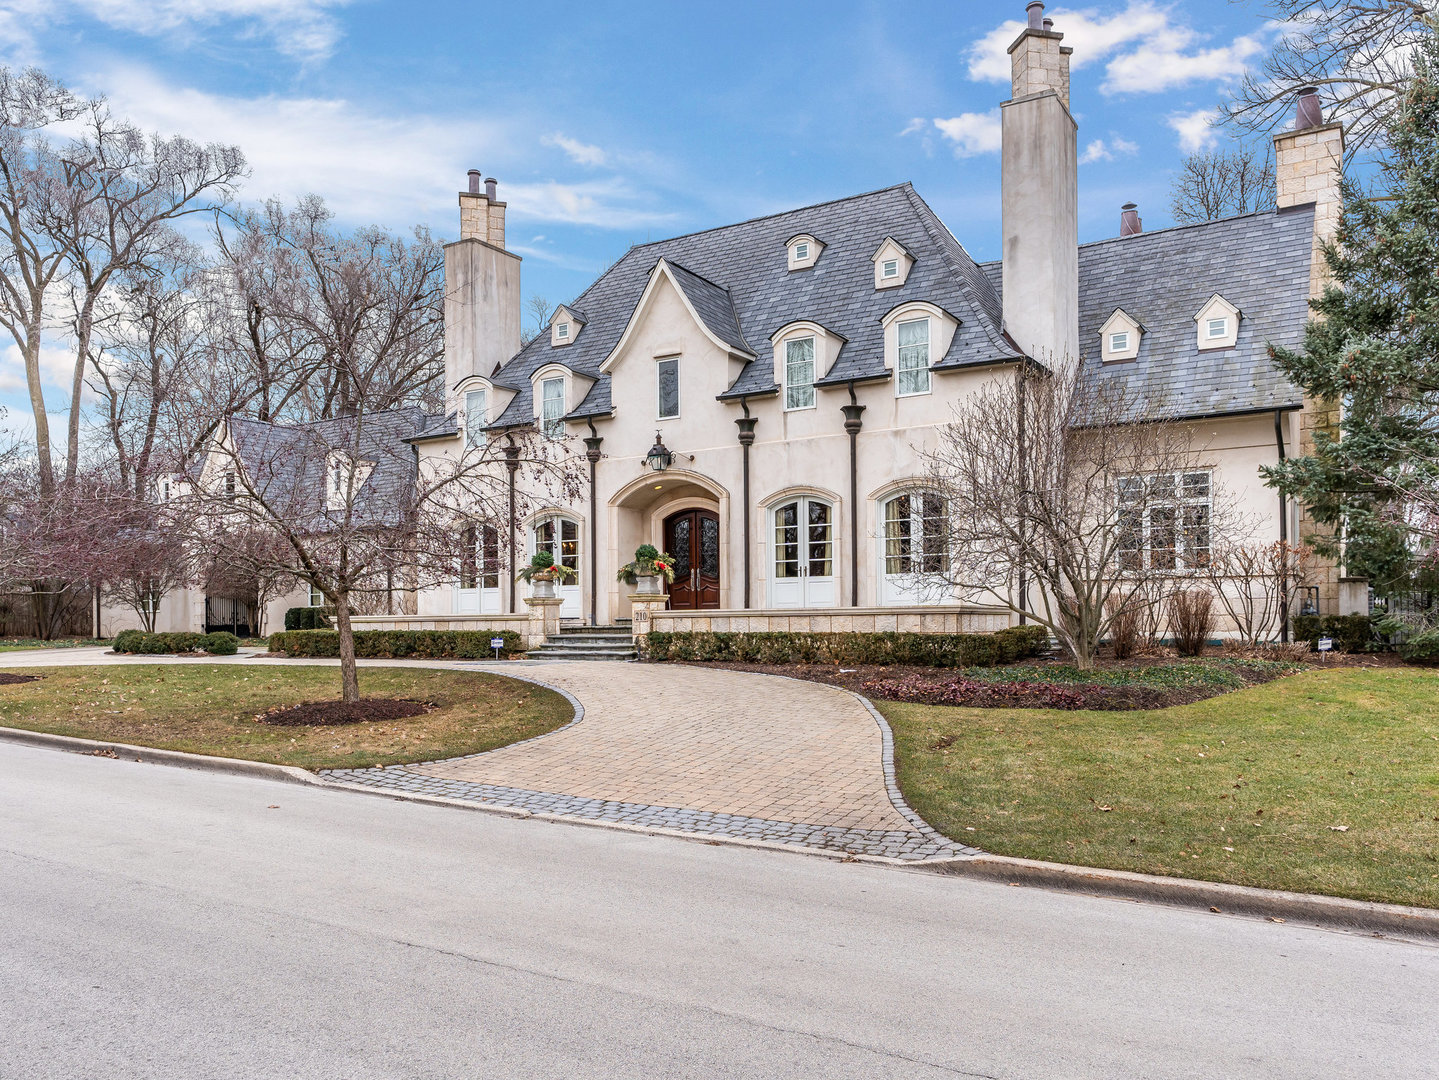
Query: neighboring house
x,y
756,398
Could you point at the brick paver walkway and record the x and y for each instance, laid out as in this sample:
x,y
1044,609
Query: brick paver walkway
x,y
698,750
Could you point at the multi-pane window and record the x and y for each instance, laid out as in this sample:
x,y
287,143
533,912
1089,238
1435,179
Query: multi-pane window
x,y
914,534
889,268
667,387
480,558
799,374
804,539
229,484
552,408
913,365
561,538
1216,328
563,331
1119,342
801,251
1165,518
475,404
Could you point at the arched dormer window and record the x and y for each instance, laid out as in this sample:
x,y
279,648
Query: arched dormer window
x,y
476,414
804,251
916,337
803,354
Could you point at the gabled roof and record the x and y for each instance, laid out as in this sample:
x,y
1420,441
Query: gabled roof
x,y
739,283
287,462
1259,262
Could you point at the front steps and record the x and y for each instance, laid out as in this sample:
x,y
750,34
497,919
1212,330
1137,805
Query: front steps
x,y
587,643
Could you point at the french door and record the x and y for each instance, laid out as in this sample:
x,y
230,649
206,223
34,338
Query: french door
x,y
560,536
692,537
802,561
478,590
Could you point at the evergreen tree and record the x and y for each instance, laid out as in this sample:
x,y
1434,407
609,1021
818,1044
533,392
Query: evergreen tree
x,y
1373,349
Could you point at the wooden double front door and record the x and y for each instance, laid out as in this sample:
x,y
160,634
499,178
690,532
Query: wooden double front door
x,y
692,537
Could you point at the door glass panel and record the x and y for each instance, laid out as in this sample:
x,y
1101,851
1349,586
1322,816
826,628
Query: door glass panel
x,y
897,541
786,541
561,538
467,559
489,557
680,547
709,547
820,540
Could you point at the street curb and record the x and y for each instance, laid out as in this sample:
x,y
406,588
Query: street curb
x,y
149,755
1278,906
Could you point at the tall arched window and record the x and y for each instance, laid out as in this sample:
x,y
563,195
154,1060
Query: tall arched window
x,y
803,556
560,536
915,549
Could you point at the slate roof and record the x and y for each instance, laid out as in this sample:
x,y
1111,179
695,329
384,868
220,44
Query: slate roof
x,y
287,462
738,280
1258,262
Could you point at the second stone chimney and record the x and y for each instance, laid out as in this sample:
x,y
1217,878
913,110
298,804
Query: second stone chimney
x,y
482,288
1309,168
1040,198
1129,222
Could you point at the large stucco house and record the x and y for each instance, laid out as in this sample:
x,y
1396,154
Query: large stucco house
x,y
794,367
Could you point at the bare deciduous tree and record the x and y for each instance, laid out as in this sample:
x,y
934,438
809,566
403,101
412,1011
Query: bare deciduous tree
x,y
540,311
1256,584
1221,183
1067,500
1358,52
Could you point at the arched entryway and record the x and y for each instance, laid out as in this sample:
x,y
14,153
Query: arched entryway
x,y
693,537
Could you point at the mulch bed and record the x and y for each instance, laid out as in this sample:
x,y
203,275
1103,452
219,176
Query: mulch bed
x,y
333,713
942,686
9,679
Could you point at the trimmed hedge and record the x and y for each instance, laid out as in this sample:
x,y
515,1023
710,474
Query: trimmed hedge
x,y
1351,633
920,650
306,618
388,644
219,643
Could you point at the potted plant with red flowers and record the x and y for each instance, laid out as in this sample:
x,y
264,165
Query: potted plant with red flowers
x,y
542,573
644,573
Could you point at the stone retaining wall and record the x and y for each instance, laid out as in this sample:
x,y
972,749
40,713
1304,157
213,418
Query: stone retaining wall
x,y
921,620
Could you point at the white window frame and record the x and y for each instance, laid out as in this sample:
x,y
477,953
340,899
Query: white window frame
x,y
1187,497
552,426
475,417
317,598
813,373
1119,341
1210,331
889,269
801,251
562,331
900,370
660,414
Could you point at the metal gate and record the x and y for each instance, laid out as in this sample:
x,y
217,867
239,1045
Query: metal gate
x,y
228,613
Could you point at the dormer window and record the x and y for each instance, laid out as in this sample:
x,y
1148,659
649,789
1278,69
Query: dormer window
x,y
804,251
475,407
1217,324
565,326
562,331
891,264
799,374
1119,337
552,407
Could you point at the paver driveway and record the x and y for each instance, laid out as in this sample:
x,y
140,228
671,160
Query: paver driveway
x,y
697,750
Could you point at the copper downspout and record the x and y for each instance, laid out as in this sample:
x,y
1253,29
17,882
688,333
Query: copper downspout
x,y
1283,531
852,424
592,454
746,425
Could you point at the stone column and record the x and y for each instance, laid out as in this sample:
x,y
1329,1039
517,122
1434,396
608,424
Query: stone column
x,y
642,610
544,620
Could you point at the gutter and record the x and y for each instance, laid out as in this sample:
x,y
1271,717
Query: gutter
x,y
1283,530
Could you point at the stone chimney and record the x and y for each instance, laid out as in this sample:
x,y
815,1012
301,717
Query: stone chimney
x,y
1308,168
1129,222
1040,193
482,288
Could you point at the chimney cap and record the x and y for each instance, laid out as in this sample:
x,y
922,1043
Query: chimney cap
x,y
490,188
1048,23
1130,206
1129,223
1310,109
474,181
1035,10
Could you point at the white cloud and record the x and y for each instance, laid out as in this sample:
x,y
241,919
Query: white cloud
x,y
394,169
1146,48
914,127
1108,149
1195,129
578,152
972,133
306,29
57,367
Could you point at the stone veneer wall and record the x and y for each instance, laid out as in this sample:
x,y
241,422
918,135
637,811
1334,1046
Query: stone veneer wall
x,y
520,624
922,620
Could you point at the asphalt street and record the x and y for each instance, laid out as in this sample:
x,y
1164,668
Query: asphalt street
x,y
159,922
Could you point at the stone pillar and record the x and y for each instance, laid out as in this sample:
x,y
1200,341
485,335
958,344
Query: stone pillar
x,y
544,620
642,609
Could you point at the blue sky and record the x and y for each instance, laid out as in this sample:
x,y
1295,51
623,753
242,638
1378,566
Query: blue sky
x,y
610,124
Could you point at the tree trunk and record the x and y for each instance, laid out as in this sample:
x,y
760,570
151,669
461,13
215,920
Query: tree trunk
x,y
37,407
349,677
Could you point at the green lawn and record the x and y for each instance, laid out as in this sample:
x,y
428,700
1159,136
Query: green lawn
x,y
22,644
210,709
1248,787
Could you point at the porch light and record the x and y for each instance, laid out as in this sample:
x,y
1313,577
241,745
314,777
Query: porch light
x,y
658,458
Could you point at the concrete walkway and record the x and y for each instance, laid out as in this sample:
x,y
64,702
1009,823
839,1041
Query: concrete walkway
x,y
693,750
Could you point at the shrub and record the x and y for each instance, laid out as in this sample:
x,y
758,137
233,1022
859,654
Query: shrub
x,y
784,647
1351,633
1191,619
1126,615
306,618
389,644
1422,648
183,641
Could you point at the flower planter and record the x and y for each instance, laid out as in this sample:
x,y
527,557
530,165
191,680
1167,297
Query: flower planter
x,y
649,585
542,588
